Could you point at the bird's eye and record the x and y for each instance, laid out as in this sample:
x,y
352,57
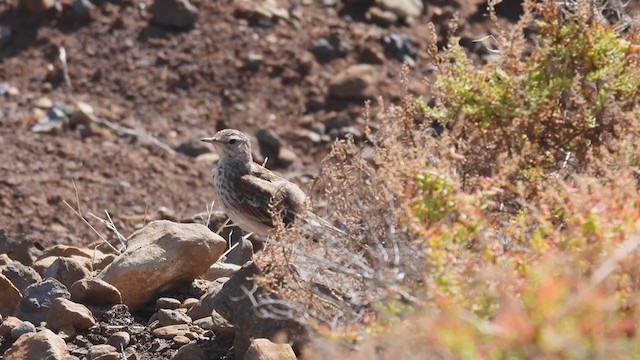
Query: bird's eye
x,y
232,141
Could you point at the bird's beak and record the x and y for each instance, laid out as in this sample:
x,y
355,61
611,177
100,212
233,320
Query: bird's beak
x,y
209,140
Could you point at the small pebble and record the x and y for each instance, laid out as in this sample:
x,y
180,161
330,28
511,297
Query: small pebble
x,y
180,340
119,340
167,303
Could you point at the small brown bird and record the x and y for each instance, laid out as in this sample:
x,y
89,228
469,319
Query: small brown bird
x,y
248,192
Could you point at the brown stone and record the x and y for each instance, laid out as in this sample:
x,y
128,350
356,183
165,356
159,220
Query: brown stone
x,y
41,345
95,292
220,269
356,82
9,297
20,275
9,324
103,352
65,312
67,271
119,340
159,255
190,351
264,349
169,332
172,317
234,305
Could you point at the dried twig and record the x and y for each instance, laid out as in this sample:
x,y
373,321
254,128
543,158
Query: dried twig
x,y
62,56
92,228
131,132
112,226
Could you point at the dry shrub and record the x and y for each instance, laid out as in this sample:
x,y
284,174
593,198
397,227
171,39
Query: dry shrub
x,y
514,234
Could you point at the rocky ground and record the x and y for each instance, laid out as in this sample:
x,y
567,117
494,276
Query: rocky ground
x,y
101,106
120,131
172,294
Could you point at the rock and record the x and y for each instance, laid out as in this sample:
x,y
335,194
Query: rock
x,y
241,254
82,112
43,263
309,135
24,327
82,9
19,248
169,332
8,325
205,306
179,14
172,317
326,49
193,148
404,9
67,271
357,82
337,121
263,14
70,251
342,133
399,46
5,259
285,158
4,86
269,143
20,275
108,259
131,354
216,323
38,298
43,344
264,349
5,36
54,122
10,297
38,7
233,304
13,91
370,55
95,292
103,352
167,303
191,351
208,158
253,61
43,102
220,269
381,17
65,312
180,340
119,340
160,254
323,50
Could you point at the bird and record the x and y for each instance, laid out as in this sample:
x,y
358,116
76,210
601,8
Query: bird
x,y
249,193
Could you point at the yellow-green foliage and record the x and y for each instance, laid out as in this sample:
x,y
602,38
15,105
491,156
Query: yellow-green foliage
x,y
529,207
550,106
591,55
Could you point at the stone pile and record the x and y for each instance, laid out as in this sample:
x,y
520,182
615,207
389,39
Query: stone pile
x,y
66,302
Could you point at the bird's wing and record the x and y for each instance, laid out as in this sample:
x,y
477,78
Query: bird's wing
x,y
264,190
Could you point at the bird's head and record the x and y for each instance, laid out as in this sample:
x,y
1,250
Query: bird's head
x,y
231,145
